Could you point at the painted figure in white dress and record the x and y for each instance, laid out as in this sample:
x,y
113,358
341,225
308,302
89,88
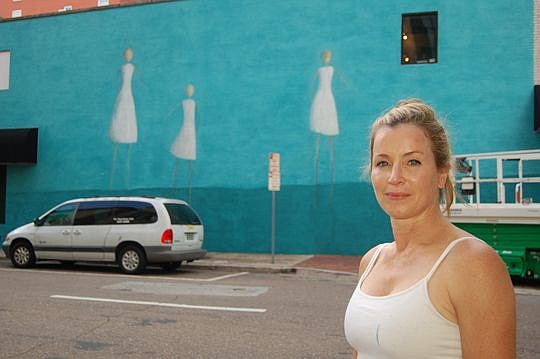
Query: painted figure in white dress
x,y
123,128
184,146
323,119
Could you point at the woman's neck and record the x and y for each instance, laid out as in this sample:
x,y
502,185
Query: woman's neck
x,y
426,229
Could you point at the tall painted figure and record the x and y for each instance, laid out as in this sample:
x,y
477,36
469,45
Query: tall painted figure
x,y
123,128
185,144
323,115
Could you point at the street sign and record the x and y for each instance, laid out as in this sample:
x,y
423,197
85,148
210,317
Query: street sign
x,y
274,181
274,176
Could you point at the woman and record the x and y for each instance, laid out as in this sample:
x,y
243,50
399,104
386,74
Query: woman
x,y
185,144
123,129
435,291
323,118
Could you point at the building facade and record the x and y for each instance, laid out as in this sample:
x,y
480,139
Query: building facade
x,y
118,121
19,8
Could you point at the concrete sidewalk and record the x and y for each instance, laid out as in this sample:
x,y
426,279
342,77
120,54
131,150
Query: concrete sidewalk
x,y
283,263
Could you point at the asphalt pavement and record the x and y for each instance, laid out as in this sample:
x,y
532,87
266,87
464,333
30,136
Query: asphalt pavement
x,y
332,266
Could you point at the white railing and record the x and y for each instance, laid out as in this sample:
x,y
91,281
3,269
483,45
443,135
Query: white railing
x,y
471,182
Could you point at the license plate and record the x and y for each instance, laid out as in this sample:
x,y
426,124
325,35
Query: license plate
x,y
190,236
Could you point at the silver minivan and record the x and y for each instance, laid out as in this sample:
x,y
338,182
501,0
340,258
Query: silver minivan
x,y
130,231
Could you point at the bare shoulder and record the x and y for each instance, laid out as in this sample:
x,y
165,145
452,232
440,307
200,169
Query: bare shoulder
x,y
475,267
475,256
366,258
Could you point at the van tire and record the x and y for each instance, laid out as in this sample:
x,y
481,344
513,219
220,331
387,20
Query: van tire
x,y
22,255
132,260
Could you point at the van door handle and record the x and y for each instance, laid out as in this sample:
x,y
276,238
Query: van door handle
x,y
76,232
66,232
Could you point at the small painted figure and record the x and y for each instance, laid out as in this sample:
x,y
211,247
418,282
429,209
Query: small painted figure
x,y
123,129
184,146
323,118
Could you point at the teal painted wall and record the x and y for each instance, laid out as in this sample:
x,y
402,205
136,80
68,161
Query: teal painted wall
x,y
253,64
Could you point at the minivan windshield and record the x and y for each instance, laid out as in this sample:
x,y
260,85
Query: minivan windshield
x,y
182,214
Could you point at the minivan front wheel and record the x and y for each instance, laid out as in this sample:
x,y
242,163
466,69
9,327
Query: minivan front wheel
x,y
22,255
132,260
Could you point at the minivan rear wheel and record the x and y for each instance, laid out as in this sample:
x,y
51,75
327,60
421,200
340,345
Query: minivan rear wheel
x,y
132,260
22,255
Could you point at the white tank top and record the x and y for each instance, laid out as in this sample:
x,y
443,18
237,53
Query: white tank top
x,y
400,325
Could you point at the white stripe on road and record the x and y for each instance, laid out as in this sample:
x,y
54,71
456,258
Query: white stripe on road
x,y
225,276
158,304
166,277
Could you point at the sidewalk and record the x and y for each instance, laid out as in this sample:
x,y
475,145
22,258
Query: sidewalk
x,y
283,263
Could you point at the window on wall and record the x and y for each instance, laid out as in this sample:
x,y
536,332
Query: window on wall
x,y
4,70
103,2
419,38
16,13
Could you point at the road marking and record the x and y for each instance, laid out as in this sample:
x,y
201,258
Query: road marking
x,y
527,291
214,279
159,304
226,276
175,289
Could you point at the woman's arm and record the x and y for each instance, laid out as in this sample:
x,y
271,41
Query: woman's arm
x,y
484,301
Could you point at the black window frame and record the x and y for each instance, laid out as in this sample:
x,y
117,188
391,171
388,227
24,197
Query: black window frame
x,y
182,214
138,214
409,35
44,221
94,213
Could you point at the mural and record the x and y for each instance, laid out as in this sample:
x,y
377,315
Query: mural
x,y
123,128
323,119
184,146
258,99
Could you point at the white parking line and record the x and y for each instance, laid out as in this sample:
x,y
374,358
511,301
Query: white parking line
x,y
167,277
226,276
158,304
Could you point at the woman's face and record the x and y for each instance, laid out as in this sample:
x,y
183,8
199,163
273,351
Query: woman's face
x,y
404,175
128,54
190,90
326,56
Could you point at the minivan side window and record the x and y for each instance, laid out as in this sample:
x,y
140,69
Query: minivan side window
x,y
134,212
94,213
182,214
62,216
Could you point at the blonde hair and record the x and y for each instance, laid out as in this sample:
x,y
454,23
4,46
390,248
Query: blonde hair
x,y
416,112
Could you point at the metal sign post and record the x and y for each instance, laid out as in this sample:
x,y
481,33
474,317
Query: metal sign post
x,y
274,179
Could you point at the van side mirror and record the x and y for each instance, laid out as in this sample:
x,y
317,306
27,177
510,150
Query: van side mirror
x,y
37,222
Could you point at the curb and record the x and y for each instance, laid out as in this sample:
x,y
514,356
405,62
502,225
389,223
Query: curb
x,y
302,271
242,268
327,271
